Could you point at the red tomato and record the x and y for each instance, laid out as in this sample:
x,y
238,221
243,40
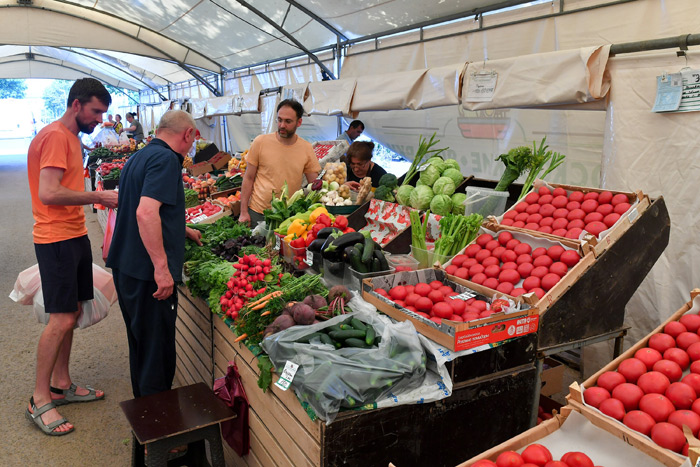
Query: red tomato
x,y
531,282
605,209
576,196
605,197
509,256
559,232
686,339
435,319
555,252
672,370
632,369
490,261
680,356
648,355
436,296
618,199
613,408
525,269
478,278
545,199
559,268
674,328
576,214
442,310
656,405
543,190
381,292
436,284
540,272
411,299
422,289
512,243
510,265
547,221
525,258
481,255
532,197
451,269
695,367
400,303
560,213
445,289
610,219
420,313
550,280
681,395
559,191
610,379
653,382
491,244
469,263
661,342
685,417
531,209
577,459
504,238
509,459
668,436
505,287
462,273
536,454
522,249
458,306
691,322
692,380
538,292
571,205
595,395
459,259
695,407
575,224
424,304
491,283
595,227
542,260
484,463
537,252
509,275
570,258
589,205
398,293
555,464
560,201
574,234
493,271
518,291
593,217
639,421
483,239
621,208
472,250
547,210
534,218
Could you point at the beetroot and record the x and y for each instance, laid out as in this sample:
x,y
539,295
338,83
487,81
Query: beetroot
x,y
338,292
315,301
281,323
303,313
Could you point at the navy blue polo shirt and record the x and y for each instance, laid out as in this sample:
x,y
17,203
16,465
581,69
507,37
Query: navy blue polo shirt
x,y
156,172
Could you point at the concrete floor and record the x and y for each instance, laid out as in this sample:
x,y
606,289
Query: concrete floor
x,y
99,358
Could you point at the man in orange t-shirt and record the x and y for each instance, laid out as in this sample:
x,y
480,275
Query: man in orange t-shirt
x,y
276,158
54,167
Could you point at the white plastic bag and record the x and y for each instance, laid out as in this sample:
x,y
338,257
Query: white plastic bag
x,y
123,138
27,291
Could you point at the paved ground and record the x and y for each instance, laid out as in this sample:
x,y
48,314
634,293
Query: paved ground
x,y
99,358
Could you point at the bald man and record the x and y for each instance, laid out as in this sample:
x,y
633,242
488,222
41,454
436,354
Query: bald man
x,y
148,248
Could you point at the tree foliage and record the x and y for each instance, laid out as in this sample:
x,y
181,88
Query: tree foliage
x,y
55,98
12,89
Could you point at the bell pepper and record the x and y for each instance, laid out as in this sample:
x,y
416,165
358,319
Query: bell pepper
x,y
297,227
310,238
324,220
317,212
341,222
289,238
298,243
317,228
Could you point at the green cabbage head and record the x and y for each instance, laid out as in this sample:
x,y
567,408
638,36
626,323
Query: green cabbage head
x,y
452,164
444,186
420,197
458,206
430,175
403,194
438,162
441,205
454,174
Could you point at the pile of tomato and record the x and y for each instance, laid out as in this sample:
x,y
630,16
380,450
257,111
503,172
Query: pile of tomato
x,y
207,209
512,267
564,214
538,456
106,167
437,301
649,392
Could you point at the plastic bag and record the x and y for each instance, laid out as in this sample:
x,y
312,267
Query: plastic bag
x,y
329,378
107,137
109,231
27,291
230,389
123,138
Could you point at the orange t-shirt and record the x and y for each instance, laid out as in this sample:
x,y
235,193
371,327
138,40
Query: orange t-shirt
x,y
56,146
277,163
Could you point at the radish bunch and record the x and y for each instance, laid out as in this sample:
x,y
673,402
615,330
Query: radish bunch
x,y
565,214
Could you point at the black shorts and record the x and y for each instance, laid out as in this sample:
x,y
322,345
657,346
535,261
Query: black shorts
x,y
66,273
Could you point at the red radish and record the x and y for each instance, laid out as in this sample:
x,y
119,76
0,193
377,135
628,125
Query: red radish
x,y
672,370
610,379
398,293
570,258
691,322
639,421
618,199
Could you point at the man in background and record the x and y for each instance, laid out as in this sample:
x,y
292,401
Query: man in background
x,y
355,129
276,158
55,170
148,249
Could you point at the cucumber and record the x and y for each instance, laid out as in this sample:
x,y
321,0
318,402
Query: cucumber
x,y
343,335
370,335
346,326
354,342
326,339
383,263
357,324
356,262
368,250
335,327
306,339
376,267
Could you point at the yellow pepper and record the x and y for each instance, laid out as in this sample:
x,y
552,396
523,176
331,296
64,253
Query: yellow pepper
x,y
298,227
289,238
317,212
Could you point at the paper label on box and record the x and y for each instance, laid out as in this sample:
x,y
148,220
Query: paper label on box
x,y
290,369
632,216
496,332
464,296
309,258
198,219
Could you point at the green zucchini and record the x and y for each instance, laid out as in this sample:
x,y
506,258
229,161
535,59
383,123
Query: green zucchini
x,y
368,250
383,263
376,267
356,262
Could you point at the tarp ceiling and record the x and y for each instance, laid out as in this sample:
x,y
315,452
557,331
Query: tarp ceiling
x,y
151,44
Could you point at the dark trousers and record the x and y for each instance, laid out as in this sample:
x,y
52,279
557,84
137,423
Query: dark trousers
x,y
150,329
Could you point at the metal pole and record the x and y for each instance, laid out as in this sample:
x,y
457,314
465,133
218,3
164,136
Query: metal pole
x,y
681,42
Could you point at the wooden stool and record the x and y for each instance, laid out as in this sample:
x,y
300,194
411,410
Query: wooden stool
x,y
187,415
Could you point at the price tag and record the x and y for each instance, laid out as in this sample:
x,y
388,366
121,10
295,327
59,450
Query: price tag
x,y
481,86
198,219
309,258
320,176
464,296
423,167
290,369
277,243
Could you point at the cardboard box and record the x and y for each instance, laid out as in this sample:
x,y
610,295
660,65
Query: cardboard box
x,y
553,294
214,218
200,168
576,391
206,153
639,201
552,377
583,436
220,160
451,334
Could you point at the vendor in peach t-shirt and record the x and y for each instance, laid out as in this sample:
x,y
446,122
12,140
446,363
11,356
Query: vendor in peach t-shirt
x,y
276,158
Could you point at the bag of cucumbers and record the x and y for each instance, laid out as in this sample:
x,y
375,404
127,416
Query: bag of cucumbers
x,y
349,361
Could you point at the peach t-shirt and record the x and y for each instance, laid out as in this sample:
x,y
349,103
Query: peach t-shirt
x,y
277,163
56,146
